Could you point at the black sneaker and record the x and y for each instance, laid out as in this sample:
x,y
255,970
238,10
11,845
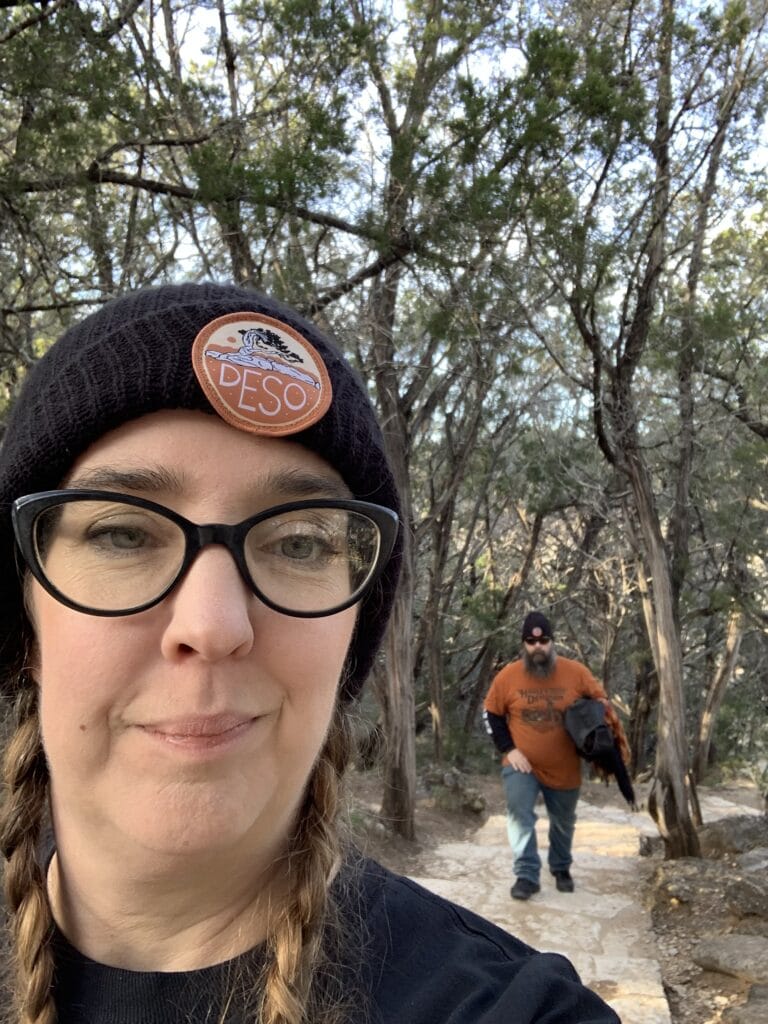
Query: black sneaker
x,y
523,889
563,881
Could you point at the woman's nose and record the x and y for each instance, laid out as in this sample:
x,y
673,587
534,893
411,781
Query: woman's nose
x,y
211,610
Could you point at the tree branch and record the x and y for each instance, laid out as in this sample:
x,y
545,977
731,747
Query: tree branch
x,y
46,12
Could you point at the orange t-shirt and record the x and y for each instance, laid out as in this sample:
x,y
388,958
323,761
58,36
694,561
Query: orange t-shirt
x,y
533,708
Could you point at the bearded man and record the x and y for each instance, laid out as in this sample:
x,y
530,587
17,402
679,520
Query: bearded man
x,y
524,715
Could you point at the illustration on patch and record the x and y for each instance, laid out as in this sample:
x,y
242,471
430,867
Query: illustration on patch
x,y
261,375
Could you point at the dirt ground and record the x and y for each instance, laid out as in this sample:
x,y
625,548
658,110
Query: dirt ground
x,y
686,901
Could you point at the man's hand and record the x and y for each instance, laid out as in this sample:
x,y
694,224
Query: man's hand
x,y
516,759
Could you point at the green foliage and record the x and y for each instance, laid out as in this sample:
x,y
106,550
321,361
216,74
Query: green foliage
x,y
71,87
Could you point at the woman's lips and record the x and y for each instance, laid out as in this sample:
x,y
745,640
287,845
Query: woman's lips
x,y
201,732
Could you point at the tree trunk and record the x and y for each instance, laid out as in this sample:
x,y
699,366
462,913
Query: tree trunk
x,y
394,688
645,699
433,629
669,798
716,692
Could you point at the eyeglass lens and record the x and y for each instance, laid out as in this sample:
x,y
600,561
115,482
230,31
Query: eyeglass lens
x,y
111,556
543,640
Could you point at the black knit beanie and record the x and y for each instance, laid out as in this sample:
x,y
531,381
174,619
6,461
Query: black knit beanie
x,y
537,624
133,357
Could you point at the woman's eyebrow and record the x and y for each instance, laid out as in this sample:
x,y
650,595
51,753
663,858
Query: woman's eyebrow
x,y
283,483
148,480
301,483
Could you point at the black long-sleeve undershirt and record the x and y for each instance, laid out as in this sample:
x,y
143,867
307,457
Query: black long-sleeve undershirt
x,y
499,732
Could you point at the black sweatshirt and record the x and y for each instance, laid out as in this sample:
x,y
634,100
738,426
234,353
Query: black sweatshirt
x,y
423,961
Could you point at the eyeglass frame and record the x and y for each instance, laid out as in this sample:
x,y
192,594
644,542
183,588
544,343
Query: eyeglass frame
x,y
27,508
543,640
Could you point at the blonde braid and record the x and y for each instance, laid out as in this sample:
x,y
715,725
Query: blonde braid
x,y
297,937
297,943
21,820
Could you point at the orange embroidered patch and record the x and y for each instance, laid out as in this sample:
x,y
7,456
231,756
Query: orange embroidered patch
x,y
261,375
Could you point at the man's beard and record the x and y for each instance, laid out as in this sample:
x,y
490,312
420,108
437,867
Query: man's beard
x,y
538,666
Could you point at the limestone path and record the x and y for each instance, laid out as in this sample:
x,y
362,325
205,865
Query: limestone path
x,y
603,928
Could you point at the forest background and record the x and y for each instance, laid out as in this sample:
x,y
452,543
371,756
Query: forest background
x,y
539,231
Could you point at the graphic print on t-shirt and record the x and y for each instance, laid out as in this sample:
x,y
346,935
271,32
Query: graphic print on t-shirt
x,y
541,712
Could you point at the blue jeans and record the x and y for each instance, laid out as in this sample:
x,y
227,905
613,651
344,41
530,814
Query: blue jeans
x,y
522,789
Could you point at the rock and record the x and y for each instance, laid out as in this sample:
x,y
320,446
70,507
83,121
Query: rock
x,y
746,1014
650,845
748,895
680,892
452,791
686,880
733,835
740,956
678,990
754,860
474,802
754,1011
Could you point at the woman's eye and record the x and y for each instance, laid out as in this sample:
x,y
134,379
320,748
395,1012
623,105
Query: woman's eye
x,y
309,540
126,538
304,547
125,533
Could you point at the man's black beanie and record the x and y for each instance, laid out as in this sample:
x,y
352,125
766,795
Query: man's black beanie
x,y
132,357
536,624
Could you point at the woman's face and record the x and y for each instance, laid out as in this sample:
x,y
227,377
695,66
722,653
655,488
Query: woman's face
x,y
192,726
